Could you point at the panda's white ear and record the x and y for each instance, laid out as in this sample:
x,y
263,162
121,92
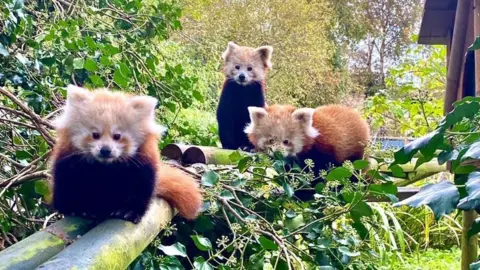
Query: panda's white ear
x,y
256,116
230,48
305,117
77,95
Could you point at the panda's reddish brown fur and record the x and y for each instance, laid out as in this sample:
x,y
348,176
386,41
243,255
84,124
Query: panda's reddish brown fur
x,y
333,132
122,185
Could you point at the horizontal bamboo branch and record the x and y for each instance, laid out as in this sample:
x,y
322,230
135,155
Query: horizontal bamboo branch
x,y
113,244
41,246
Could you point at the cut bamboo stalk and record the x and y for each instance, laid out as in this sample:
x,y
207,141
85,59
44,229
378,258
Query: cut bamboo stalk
x,y
113,244
43,245
208,155
174,151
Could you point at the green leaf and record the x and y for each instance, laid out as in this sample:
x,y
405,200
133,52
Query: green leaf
x,y
472,200
201,264
201,243
344,250
235,156
78,63
18,4
42,188
288,189
473,151
177,249
475,266
90,42
226,194
319,187
267,244
426,144
338,173
96,80
105,60
3,50
210,179
442,198
474,229
119,79
243,164
197,95
361,209
125,70
90,65
475,45
294,223
397,171
290,214
47,61
360,164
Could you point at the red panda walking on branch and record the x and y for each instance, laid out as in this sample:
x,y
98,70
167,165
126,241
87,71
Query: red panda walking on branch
x,y
328,135
106,161
245,70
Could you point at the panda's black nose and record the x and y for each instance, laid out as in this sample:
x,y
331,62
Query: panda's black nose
x,y
105,152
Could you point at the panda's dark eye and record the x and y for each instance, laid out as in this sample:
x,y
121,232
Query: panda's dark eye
x,y
117,136
237,66
96,135
249,68
286,142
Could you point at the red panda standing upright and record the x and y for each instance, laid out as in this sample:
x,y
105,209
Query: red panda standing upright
x,y
245,69
106,161
329,135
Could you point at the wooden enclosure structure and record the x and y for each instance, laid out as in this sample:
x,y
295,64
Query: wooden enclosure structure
x,y
456,24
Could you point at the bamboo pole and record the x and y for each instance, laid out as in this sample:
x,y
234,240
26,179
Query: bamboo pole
x,y
208,155
41,246
113,244
174,151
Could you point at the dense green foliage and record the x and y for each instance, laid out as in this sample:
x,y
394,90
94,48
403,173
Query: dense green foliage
x,y
171,50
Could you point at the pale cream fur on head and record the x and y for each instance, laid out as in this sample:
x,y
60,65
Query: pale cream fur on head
x,y
280,128
108,112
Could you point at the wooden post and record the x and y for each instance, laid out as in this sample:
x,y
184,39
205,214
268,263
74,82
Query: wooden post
x,y
476,30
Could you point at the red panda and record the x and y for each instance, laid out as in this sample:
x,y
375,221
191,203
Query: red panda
x,y
245,69
329,134
106,161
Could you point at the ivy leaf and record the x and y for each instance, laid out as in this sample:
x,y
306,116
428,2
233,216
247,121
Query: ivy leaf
x,y
267,244
360,164
442,198
475,266
344,250
201,243
201,264
243,164
42,188
90,65
361,209
235,156
475,45
472,200
473,151
78,63
3,50
474,229
290,214
288,189
96,80
177,249
210,179
294,223
447,155
426,144
119,78
226,194
397,171
338,174
197,95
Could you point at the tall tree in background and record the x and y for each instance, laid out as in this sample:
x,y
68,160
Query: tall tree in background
x,y
305,71
378,32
